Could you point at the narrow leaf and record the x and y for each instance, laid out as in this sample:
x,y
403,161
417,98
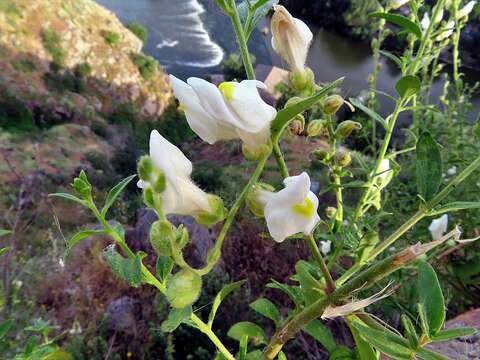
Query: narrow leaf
x,y
69,197
79,236
221,296
4,251
251,16
321,333
114,192
431,297
430,355
395,59
293,292
284,116
266,308
282,356
401,21
164,267
5,327
449,334
455,206
222,4
4,232
409,331
428,166
408,86
175,318
243,348
385,342
374,115
363,349
245,328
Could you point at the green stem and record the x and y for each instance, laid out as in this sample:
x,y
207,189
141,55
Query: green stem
x,y
456,42
242,41
204,328
215,252
312,244
282,165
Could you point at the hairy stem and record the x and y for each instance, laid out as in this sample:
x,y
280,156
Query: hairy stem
x,y
204,328
282,165
312,244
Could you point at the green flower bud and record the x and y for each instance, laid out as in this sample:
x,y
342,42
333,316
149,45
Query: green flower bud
x,y
217,213
330,212
332,104
345,128
160,183
182,237
257,152
183,289
145,168
321,155
162,235
303,80
148,197
317,128
82,186
253,202
344,158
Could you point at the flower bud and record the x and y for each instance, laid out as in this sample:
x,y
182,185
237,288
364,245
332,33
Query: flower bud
x,y
82,186
317,128
217,212
330,212
332,104
254,198
148,197
321,155
344,158
162,235
145,168
160,183
297,125
345,128
256,153
182,237
183,289
302,80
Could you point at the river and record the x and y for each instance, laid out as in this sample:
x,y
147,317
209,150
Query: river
x,y
191,38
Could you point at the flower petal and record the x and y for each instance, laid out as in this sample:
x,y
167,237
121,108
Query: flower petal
x,y
167,157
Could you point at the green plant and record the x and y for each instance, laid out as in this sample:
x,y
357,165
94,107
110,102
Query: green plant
x,y
15,116
83,70
139,30
24,65
147,65
111,37
52,43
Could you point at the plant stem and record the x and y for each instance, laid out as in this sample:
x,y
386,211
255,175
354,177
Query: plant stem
x,y
282,165
204,328
215,253
321,263
242,41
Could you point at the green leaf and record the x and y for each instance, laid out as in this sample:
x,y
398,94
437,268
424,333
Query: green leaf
x,y
5,327
175,318
363,349
254,355
114,192
449,334
221,296
409,331
306,276
455,206
164,267
252,15
401,21
243,348
430,297
430,355
126,269
385,342
284,116
4,232
79,236
118,228
293,292
223,4
70,197
428,166
253,331
374,115
408,86
395,59
321,333
266,308
282,356
4,251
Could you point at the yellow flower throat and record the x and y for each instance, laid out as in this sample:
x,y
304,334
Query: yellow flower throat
x,y
305,209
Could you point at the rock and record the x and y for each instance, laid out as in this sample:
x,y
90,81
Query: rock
x,y
121,315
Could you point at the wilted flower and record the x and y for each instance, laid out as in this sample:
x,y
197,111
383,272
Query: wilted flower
x,y
452,171
292,209
438,227
325,247
466,10
181,196
291,38
231,111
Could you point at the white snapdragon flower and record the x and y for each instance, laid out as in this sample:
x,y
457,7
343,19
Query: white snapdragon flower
x,y
452,171
466,10
325,247
438,227
231,111
395,4
425,22
291,38
181,196
385,174
292,209
448,31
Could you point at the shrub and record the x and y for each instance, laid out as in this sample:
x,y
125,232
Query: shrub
x,y
24,65
111,37
15,117
51,42
99,128
139,30
83,70
147,65
66,81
